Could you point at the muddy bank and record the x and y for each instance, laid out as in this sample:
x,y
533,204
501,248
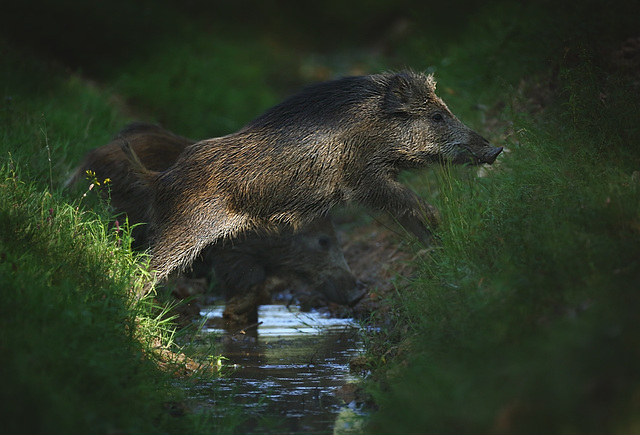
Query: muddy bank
x,y
383,261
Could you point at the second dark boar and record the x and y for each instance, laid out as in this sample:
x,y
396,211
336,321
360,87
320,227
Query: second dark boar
x,y
342,140
309,263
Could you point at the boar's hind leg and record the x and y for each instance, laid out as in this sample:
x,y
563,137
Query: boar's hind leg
x,y
174,251
176,245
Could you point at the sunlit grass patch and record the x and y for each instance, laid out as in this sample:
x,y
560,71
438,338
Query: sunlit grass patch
x,y
83,351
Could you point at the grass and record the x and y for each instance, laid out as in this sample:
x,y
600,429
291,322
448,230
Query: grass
x,y
75,362
80,349
217,87
522,321
49,118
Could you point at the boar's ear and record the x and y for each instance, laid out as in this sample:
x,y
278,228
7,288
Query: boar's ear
x,y
399,94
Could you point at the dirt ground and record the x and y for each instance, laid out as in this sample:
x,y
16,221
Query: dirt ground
x,y
382,261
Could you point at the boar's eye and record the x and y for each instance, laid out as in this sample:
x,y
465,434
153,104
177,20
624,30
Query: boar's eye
x,y
437,117
324,242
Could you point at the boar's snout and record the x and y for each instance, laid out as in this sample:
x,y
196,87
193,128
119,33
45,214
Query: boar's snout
x,y
342,289
491,155
477,151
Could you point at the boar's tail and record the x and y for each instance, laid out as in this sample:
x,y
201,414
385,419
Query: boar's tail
x,y
138,168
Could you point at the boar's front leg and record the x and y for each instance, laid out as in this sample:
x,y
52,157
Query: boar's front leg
x,y
420,221
412,212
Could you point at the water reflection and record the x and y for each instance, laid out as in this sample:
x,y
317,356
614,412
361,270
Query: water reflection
x,y
288,370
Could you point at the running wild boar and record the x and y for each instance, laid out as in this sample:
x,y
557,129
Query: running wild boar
x,y
337,141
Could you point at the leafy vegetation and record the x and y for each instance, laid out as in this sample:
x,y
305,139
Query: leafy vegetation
x,y
74,361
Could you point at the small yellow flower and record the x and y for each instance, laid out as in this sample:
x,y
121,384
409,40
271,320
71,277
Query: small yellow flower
x,y
107,180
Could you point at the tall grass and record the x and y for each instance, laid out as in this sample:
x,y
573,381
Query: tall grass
x,y
49,118
210,87
523,320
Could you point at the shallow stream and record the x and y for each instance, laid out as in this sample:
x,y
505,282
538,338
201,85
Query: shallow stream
x,y
285,373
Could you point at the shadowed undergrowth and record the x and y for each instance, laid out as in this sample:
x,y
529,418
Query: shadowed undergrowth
x,y
522,321
80,350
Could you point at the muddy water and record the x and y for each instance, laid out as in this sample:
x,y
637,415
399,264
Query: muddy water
x,y
285,374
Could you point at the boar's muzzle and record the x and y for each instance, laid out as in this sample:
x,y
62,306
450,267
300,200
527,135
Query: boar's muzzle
x,y
477,151
490,155
342,289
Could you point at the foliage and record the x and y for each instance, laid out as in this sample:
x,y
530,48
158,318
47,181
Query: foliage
x,y
215,88
48,117
521,321
73,362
